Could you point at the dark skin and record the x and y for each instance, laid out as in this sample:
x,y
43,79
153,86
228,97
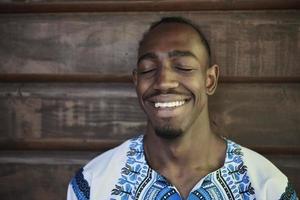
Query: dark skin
x,y
173,82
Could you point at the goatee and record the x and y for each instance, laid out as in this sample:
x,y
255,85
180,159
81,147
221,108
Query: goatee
x,y
168,133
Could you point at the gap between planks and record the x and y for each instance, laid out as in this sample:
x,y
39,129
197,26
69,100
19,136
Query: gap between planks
x,y
94,78
144,6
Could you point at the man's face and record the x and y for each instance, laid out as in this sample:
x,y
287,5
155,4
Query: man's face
x,y
171,78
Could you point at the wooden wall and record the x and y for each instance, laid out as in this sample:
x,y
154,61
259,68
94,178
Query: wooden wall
x,y
66,93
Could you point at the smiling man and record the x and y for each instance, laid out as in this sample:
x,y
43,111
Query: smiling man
x,y
179,156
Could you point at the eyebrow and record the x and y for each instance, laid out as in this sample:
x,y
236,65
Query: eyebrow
x,y
172,54
178,53
149,55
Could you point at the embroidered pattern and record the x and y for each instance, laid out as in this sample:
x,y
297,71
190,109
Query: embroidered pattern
x,y
160,190
139,181
229,182
235,174
136,173
80,186
289,194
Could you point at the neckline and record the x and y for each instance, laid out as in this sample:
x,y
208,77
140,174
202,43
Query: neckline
x,y
230,148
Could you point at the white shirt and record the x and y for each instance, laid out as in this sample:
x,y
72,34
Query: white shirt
x,y
123,174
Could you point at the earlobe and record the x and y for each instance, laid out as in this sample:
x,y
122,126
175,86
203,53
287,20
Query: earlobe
x,y
212,76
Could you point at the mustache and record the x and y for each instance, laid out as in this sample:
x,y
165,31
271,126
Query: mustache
x,y
154,93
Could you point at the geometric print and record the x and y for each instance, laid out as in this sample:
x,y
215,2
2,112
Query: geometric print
x,y
138,181
80,186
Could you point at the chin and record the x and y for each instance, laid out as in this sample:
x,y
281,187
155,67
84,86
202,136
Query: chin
x,y
168,133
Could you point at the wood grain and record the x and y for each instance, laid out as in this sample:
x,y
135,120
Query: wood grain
x,y
98,78
257,113
244,43
95,110
46,6
35,182
252,114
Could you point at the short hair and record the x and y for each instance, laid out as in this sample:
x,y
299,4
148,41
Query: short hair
x,y
181,20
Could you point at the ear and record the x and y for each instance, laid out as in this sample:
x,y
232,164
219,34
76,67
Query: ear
x,y
134,76
212,76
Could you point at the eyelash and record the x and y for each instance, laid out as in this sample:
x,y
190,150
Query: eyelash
x,y
178,67
147,71
183,68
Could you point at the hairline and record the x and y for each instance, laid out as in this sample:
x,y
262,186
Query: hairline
x,y
184,21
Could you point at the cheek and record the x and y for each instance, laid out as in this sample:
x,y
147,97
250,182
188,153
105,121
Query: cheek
x,y
141,88
198,90
195,84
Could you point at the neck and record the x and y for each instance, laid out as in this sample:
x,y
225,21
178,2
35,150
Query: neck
x,y
198,145
203,149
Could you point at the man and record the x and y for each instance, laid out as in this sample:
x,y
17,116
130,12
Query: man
x,y
179,156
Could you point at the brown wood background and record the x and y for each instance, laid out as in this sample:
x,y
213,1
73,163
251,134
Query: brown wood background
x,y
66,93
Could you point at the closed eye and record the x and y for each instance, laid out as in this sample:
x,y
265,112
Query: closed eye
x,y
146,71
184,68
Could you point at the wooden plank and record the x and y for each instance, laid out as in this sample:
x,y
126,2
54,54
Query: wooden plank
x,y
43,180
35,182
97,110
45,157
244,43
140,5
68,144
252,114
98,78
65,78
257,113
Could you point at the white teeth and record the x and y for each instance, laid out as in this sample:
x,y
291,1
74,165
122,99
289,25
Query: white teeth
x,y
168,104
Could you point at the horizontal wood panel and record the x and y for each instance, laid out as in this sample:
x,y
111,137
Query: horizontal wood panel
x,y
253,114
244,43
72,110
98,78
43,180
42,6
100,145
85,78
44,157
35,182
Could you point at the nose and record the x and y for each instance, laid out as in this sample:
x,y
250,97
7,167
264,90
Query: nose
x,y
166,79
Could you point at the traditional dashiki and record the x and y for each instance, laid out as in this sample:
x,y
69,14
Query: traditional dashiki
x,y
123,174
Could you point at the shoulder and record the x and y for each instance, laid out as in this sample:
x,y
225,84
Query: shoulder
x,y
268,181
101,172
101,163
261,166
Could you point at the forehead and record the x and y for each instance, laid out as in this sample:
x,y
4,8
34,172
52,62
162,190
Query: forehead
x,y
170,37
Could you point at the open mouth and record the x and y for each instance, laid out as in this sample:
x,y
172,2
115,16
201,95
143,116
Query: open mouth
x,y
170,104
169,108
